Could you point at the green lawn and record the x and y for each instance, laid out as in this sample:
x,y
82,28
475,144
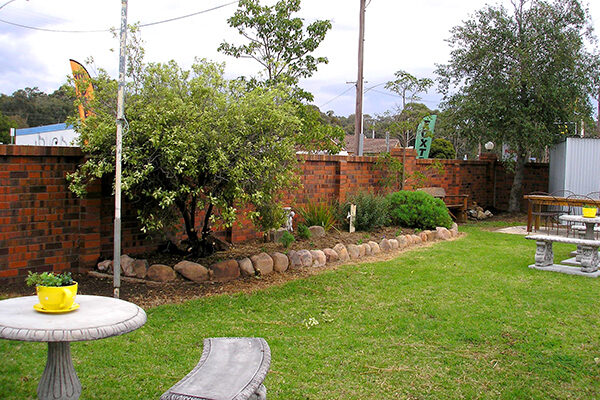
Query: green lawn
x,y
458,320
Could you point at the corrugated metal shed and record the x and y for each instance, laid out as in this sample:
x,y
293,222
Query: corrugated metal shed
x,y
575,166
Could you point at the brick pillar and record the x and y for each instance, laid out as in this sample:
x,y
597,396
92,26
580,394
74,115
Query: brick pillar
x,y
341,181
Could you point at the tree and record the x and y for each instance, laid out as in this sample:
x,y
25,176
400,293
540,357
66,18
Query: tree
x,y
5,125
196,141
33,107
514,77
277,41
408,86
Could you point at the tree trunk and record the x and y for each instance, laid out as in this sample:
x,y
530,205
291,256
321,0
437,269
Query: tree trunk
x,y
189,219
514,203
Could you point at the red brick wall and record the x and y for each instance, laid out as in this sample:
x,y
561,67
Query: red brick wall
x,y
43,226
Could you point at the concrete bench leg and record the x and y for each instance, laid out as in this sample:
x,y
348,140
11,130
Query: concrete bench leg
x,y
589,258
544,255
260,394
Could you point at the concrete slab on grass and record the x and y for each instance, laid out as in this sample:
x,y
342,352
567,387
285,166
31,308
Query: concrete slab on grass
x,y
564,269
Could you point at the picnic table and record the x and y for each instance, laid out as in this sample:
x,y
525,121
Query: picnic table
x,y
97,318
535,203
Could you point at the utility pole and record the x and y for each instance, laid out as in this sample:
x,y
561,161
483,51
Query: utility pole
x,y
358,119
118,151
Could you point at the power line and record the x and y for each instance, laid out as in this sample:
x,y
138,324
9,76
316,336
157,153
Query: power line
x,y
395,95
188,15
108,30
336,97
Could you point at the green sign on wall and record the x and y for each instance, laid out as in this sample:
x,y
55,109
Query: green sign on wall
x,y
425,136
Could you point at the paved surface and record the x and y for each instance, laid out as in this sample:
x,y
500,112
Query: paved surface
x,y
522,230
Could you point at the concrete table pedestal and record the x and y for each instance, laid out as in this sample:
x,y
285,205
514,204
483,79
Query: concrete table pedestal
x,y
97,318
59,380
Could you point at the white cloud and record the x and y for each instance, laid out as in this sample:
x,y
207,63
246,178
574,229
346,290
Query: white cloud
x,y
399,35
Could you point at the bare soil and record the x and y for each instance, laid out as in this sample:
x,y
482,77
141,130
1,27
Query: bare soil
x,y
150,294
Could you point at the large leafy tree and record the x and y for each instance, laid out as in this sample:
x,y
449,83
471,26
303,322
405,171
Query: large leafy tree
x,y
195,141
515,76
278,41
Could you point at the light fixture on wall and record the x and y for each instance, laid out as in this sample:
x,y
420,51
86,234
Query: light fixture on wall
x,y
489,146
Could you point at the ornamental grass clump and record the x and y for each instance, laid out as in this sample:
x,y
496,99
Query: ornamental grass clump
x,y
417,210
318,214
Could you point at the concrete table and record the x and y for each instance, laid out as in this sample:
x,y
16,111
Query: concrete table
x,y
97,318
588,222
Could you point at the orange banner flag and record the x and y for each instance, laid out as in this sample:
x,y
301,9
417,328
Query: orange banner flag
x,y
83,88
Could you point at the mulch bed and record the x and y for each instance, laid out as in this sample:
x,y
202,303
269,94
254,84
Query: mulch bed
x,y
152,294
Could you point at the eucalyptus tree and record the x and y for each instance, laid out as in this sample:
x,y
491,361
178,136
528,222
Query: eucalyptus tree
x,y
515,75
279,42
408,86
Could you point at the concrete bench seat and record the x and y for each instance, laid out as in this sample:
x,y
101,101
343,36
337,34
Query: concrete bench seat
x,y
229,369
587,251
581,228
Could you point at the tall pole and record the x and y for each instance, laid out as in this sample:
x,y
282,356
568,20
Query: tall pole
x,y
598,114
358,121
118,151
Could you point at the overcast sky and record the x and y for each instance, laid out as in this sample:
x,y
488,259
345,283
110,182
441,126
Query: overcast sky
x,y
408,35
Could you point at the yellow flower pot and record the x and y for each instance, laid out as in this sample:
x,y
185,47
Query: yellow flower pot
x,y
56,298
589,212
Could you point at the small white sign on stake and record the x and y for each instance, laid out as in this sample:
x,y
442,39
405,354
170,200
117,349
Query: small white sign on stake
x,y
352,217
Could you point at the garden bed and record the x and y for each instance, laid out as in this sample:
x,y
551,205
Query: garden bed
x,y
149,294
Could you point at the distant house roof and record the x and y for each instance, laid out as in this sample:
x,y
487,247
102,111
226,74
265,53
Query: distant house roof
x,y
43,129
371,146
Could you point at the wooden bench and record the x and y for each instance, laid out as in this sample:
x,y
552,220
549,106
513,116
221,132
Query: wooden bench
x,y
229,369
456,202
587,250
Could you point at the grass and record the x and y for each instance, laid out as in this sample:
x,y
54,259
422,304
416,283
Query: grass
x,y
459,320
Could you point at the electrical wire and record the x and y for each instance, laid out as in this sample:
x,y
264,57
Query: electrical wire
x,y
336,97
395,95
108,30
188,15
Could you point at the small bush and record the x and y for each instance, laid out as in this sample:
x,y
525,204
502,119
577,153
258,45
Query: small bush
x,y
417,210
371,211
303,231
286,239
319,214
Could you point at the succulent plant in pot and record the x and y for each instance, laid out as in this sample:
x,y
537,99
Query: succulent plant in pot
x,y
56,292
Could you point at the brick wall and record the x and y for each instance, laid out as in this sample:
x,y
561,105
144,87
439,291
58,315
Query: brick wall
x,y
43,226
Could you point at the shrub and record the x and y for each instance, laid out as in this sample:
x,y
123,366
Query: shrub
x,y
371,211
321,214
417,210
286,239
303,231
442,148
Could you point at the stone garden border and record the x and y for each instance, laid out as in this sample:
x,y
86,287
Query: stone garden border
x,y
263,264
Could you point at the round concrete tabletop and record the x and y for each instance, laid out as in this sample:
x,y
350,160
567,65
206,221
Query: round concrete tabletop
x,y
580,218
97,317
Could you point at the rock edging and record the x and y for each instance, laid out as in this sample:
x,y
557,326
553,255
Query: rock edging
x,y
263,264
